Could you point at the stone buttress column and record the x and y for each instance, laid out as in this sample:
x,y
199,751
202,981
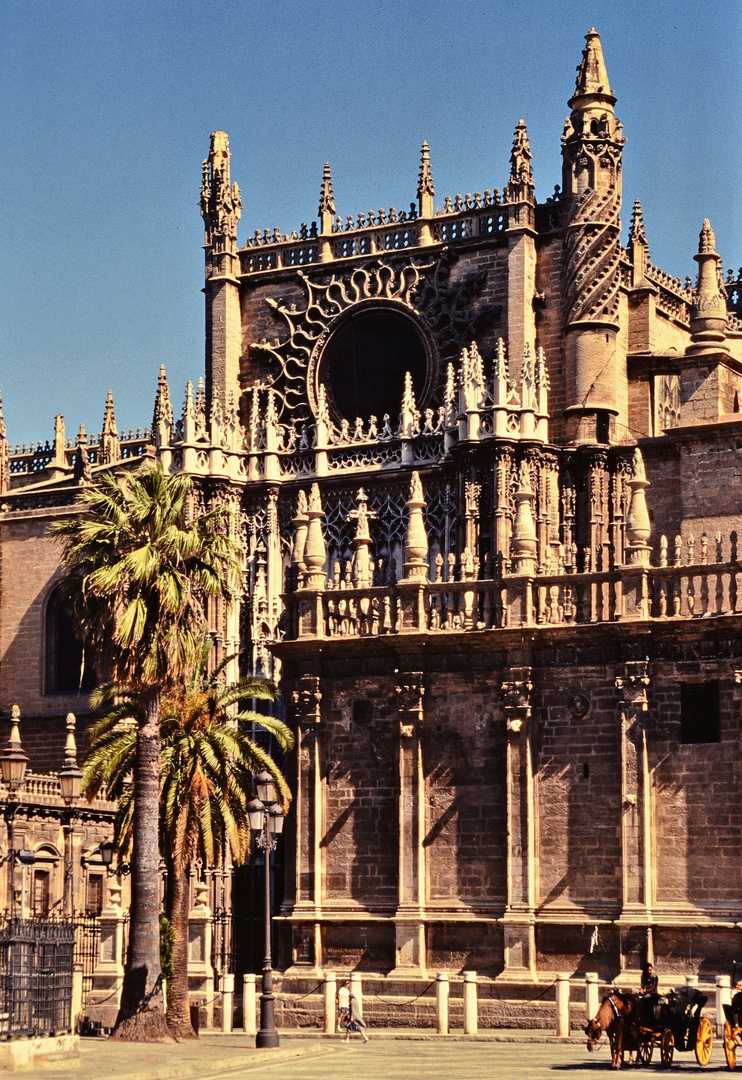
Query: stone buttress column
x,y
305,906
409,924
636,796
519,919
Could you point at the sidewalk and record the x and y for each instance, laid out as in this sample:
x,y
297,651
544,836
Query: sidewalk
x,y
213,1052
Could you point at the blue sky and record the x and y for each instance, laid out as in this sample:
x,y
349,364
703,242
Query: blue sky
x,y
108,106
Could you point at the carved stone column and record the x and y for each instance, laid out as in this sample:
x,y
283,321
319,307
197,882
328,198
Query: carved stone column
x,y
410,928
636,794
519,919
304,893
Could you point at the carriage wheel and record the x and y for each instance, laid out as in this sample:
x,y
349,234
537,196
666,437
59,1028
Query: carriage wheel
x,y
644,1050
704,1041
667,1048
730,1046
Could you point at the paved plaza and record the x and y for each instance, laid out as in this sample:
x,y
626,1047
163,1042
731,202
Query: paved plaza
x,y
388,1056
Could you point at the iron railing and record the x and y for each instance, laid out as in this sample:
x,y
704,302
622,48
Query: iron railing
x,y
36,959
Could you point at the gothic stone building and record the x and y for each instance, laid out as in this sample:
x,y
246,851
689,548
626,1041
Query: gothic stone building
x,y
486,465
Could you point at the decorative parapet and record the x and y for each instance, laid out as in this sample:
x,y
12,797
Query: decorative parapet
x,y
474,603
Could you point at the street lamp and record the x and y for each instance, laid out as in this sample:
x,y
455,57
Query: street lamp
x,y
13,763
266,821
70,784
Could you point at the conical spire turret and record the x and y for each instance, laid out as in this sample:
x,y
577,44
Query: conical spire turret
x,y
592,76
221,206
162,418
326,201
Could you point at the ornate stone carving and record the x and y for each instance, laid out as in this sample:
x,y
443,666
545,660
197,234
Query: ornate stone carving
x,y
410,693
515,690
306,700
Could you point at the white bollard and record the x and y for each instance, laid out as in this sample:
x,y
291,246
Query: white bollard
x,y
356,990
592,997
441,1003
227,1001
562,1006
331,1013
691,981
248,1005
470,1003
723,997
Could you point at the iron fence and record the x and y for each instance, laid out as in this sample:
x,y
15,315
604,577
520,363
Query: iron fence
x,y
87,948
36,958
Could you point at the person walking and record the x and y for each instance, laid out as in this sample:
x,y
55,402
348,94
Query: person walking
x,y
355,1020
343,1007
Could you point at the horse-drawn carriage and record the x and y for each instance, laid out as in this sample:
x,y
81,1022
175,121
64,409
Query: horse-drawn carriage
x,y
639,1024
732,1036
675,1023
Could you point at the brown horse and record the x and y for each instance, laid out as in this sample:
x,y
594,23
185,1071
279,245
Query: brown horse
x,y
617,1016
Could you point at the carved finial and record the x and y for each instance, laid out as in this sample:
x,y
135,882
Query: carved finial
x,y
2,421
188,411
636,230
592,77
425,188
162,419
110,451
706,239
326,201
524,544
416,540
708,317
315,552
410,415
83,473
520,156
638,527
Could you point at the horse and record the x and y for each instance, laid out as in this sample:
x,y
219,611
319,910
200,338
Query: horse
x,y
617,1015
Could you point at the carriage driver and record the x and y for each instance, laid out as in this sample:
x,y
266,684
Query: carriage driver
x,y
648,987
736,1005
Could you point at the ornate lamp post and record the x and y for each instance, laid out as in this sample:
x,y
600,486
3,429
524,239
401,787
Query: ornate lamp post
x,y
70,783
13,763
266,821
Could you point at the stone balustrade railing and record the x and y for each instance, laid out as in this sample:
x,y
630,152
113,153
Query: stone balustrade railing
x,y
43,789
33,458
626,593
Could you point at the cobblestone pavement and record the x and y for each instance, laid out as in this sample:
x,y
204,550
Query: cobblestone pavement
x,y
388,1056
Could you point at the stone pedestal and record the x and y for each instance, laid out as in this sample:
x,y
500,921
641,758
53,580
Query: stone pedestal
x,y
102,1003
200,971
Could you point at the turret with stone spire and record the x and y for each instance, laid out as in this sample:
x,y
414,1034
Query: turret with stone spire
x,y
708,317
110,450
326,213
162,418
592,146
221,209
519,191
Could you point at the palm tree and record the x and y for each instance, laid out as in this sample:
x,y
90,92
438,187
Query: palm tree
x,y
207,763
138,566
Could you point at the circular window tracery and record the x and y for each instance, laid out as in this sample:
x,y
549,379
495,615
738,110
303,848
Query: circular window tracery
x,y
364,362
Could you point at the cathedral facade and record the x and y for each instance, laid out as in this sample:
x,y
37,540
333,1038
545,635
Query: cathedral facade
x,y
486,466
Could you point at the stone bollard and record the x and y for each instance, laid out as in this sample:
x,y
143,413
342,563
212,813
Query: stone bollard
x,y
330,992
441,1003
248,1005
562,1006
227,1000
723,997
356,989
470,1003
691,981
592,997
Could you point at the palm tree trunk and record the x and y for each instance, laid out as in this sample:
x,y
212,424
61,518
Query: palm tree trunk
x,y
141,1014
178,1013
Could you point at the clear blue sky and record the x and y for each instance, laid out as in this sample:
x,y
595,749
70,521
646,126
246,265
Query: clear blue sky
x,y
108,106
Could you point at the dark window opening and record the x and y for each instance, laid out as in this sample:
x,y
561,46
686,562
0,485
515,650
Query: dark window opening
x,y
40,898
69,669
364,363
363,711
602,426
699,712
94,898
585,770
736,402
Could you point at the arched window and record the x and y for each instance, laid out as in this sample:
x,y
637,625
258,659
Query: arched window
x,y
68,666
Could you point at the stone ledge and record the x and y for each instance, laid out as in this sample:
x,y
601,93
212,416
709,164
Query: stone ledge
x,y
35,1053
